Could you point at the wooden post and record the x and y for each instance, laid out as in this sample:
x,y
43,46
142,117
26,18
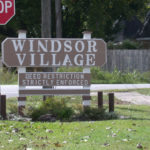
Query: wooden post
x,y
21,105
111,102
21,99
86,99
100,100
3,106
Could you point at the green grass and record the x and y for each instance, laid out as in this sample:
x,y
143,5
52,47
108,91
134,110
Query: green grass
x,y
144,91
121,134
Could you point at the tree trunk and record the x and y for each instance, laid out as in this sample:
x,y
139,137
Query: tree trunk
x,y
46,28
58,11
46,18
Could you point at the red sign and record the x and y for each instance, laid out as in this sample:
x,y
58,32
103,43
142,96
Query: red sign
x,y
7,11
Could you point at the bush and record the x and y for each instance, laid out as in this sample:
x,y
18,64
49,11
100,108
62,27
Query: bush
x,y
12,108
69,69
126,44
7,77
105,77
55,107
95,114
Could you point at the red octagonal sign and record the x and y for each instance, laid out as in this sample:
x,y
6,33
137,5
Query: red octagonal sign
x,y
7,10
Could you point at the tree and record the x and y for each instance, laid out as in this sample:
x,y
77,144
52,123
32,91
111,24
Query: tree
x,y
100,16
46,18
58,15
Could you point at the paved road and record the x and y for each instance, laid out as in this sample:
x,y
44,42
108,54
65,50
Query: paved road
x,y
12,90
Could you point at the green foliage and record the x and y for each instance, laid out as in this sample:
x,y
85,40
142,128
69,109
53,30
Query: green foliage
x,y
61,111
99,76
126,44
7,77
77,15
12,108
56,107
28,17
96,114
104,77
99,16
69,69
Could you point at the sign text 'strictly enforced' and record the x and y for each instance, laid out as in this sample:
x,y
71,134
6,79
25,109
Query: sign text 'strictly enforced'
x,y
54,79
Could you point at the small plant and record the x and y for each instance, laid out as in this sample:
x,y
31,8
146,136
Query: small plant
x,y
55,107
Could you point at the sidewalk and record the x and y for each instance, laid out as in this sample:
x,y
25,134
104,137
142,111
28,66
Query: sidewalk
x,y
12,90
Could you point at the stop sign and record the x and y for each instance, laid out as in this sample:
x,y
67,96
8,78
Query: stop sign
x,y
7,10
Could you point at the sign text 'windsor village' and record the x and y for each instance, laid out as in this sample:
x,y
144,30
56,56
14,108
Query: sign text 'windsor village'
x,y
53,52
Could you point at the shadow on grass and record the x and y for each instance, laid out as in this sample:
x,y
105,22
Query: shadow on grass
x,y
131,109
133,118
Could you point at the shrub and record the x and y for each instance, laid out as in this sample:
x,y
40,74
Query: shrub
x,y
69,69
126,44
7,77
12,108
105,77
56,107
146,76
95,114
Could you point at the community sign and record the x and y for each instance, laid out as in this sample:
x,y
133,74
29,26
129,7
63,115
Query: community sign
x,y
42,52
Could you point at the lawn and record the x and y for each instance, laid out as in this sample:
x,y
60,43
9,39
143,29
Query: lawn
x,y
132,128
144,91
100,135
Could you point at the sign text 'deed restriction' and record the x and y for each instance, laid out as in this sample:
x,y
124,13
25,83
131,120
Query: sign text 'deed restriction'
x,y
54,79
